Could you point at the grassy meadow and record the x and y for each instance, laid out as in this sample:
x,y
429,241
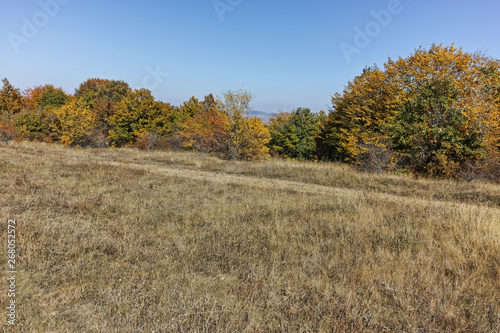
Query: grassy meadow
x,y
122,240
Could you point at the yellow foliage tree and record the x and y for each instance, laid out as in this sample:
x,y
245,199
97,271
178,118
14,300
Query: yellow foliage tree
x,y
247,138
473,74
255,138
361,114
236,105
223,128
357,114
75,123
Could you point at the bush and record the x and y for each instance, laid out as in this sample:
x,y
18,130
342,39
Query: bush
x,y
378,158
7,133
30,126
151,140
486,169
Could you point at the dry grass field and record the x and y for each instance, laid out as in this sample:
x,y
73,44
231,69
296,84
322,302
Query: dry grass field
x,y
129,241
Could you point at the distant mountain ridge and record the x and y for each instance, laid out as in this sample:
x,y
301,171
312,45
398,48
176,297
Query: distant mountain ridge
x,y
261,114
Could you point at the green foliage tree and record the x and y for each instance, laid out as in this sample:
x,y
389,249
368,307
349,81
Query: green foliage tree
x,y
31,125
108,90
53,98
294,134
45,96
136,115
431,132
279,141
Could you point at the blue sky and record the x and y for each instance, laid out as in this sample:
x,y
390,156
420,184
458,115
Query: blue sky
x,y
287,53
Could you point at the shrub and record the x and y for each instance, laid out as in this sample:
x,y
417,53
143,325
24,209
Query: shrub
x,y
7,132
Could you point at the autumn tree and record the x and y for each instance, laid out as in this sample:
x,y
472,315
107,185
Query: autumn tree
x,y
486,102
53,98
33,96
75,123
191,107
102,95
11,100
470,73
431,131
31,125
358,118
293,134
255,139
112,90
7,132
36,120
357,114
11,105
222,127
207,129
136,115
179,118
236,104
486,105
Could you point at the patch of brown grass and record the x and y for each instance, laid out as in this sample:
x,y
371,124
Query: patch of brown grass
x,y
127,241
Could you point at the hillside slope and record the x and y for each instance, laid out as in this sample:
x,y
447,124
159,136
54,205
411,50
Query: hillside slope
x,y
123,241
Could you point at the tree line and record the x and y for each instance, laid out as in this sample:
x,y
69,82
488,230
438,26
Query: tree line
x,y
434,113
104,113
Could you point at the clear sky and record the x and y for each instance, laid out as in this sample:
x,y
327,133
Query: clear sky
x,y
289,54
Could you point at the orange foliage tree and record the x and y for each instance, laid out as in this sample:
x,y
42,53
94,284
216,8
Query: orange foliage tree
x,y
207,129
11,100
224,128
36,120
44,96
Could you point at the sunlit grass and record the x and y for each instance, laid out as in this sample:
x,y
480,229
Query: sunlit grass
x,y
130,241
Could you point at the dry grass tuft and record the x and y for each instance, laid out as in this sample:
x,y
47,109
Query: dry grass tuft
x,y
132,241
